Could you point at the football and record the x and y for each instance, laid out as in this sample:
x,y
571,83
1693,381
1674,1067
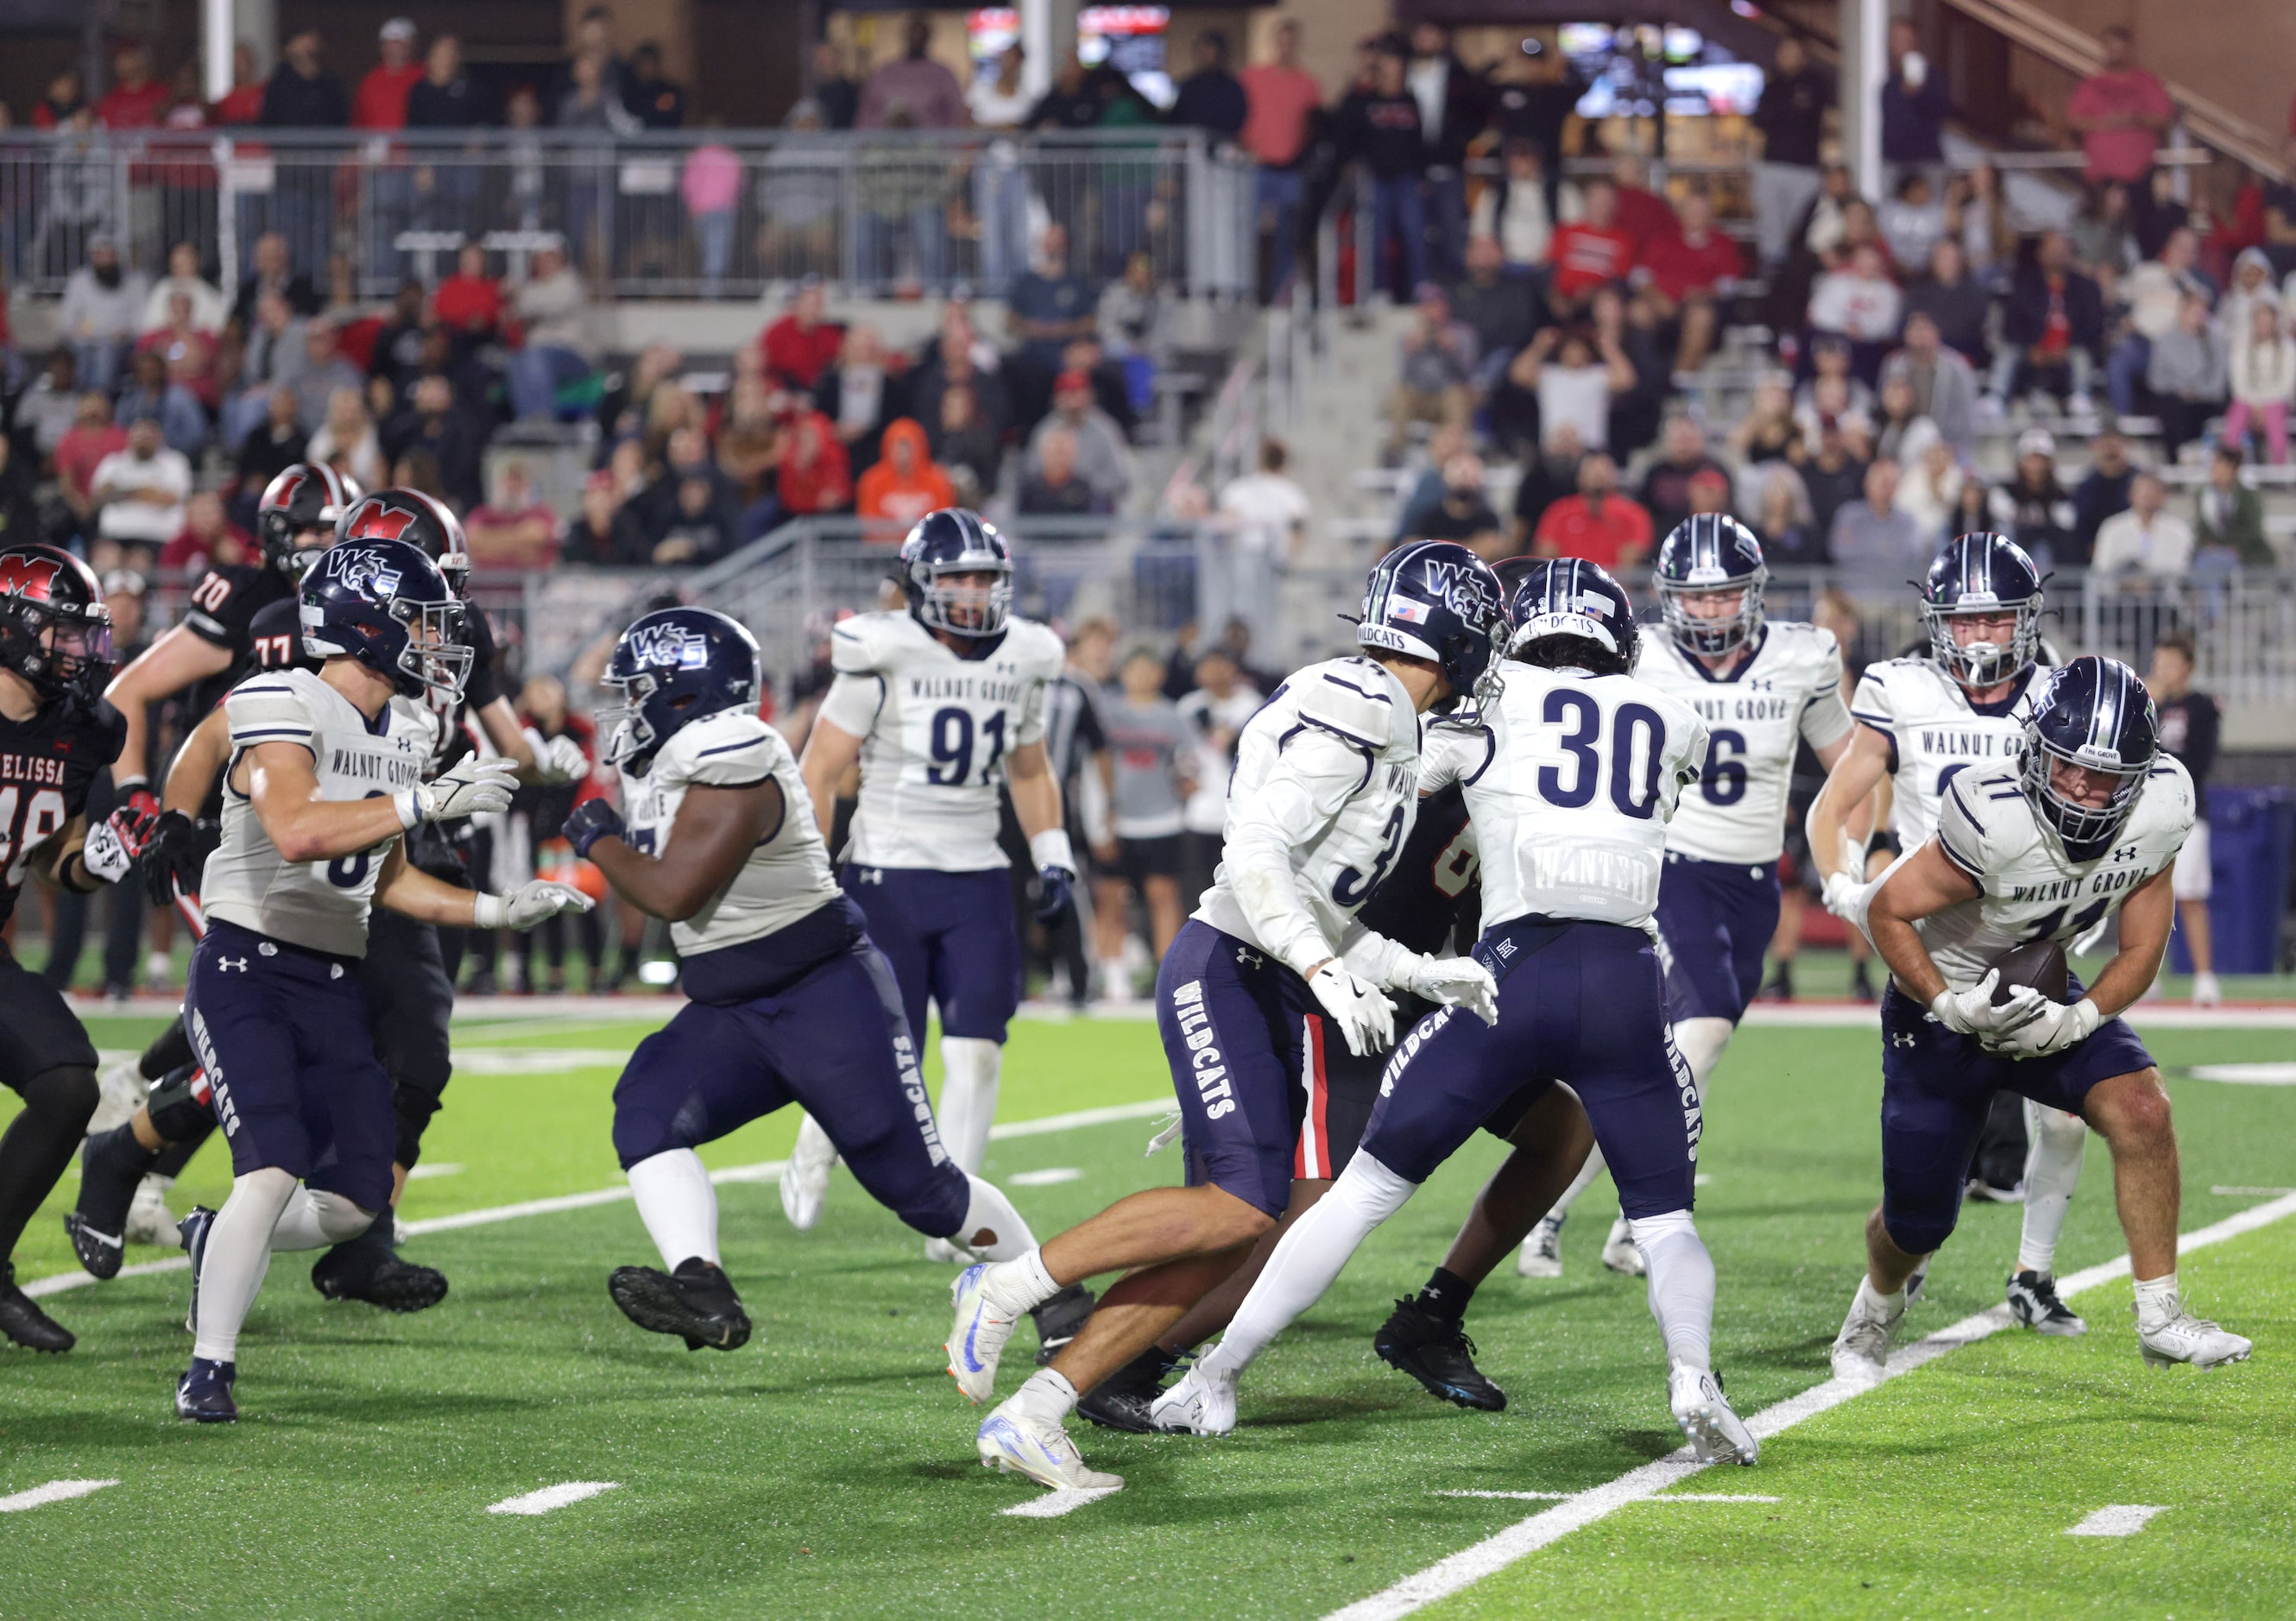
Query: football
x,y
2039,964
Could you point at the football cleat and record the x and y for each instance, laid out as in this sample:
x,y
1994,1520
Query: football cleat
x,y
2183,1338
1542,1251
1861,1351
1203,1403
1716,1434
203,1394
194,1230
149,1219
111,1166
1619,1251
2033,1302
805,1180
120,1093
25,1323
1436,1351
99,1253
1011,1442
366,1268
1058,1320
1123,1399
696,1303
976,1338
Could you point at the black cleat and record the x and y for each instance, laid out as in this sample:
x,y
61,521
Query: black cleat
x,y
1436,1352
25,1323
203,1395
111,1166
1121,1401
194,1229
1058,1320
99,1253
696,1303
368,1268
2033,1302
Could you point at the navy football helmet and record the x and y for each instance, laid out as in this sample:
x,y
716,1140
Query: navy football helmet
x,y
1987,575
385,604
422,521
672,668
1571,613
54,630
1435,600
2096,714
956,540
309,498
1710,554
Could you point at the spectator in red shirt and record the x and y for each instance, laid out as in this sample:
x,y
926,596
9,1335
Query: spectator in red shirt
x,y
1685,272
1590,253
207,537
1644,215
242,103
380,102
470,301
815,475
1280,97
515,529
2120,113
1598,523
136,101
92,437
801,345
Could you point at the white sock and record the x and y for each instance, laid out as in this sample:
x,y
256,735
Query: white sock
x,y
2052,1168
969,1069
1876,1306
1046,1395
2156,1298
990,1213
315,1219
677,1205
237,1255
1700,1042
1020,1284
1593,1168
1681,1286
1312,1253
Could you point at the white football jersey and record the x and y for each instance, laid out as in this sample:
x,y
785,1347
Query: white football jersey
x,y
1571,787
2031,889
1325,788
935,730
785,878
1936,733
1789,690
322,905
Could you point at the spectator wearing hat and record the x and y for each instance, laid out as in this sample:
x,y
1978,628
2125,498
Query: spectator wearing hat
x,y
1103,460
1597,523
653,100
2032,508
139,492
379,102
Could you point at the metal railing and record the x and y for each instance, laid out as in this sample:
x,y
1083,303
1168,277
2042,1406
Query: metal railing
x,y
700,213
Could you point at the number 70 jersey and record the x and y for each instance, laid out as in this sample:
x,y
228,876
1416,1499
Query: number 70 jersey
x,y
936,730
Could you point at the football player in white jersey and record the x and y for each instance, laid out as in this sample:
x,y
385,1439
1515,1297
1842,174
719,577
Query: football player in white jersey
x,y
788,1001
939,707
2044,848
327,776
1762,687
1570,780
1923,723
1273,965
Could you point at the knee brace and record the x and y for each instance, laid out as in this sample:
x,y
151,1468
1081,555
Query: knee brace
x,y
179,1113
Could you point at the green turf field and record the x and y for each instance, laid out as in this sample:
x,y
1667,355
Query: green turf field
x,y
826,1469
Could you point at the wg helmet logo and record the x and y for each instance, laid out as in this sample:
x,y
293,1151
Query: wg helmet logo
x,y
360,568
672,646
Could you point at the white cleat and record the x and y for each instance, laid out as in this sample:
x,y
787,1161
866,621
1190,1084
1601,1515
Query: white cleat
x,y
977,1338
2206,992
1541,1256
149,1220
1716,1434
119,1092
2186,1338
1203,1403
805,1180
1619,1251
1861,1351
1012,1443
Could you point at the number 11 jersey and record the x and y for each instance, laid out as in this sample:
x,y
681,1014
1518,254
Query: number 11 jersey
x,y
936,728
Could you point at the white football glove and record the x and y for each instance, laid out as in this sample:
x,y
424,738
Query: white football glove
x,y
1366,1016
527,905
470,787
2059,1026
1456,982
1972,1012
557,759
104,853
1845,898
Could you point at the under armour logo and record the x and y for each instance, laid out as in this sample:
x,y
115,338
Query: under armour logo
x,y
1905,1038
872,875
1250,958
230,967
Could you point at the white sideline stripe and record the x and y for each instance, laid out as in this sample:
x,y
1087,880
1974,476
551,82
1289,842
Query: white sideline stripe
x,y
1710,1497
2118,1519
2246,1075
1060,1501
551,1498
1050,1176
2222,1191
55,1491
768,1170
1528,1536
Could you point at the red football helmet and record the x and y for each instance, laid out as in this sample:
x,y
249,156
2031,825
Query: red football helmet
x,y
54,630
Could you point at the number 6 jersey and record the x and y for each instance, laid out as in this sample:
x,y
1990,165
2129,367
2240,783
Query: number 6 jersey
x,y
935,729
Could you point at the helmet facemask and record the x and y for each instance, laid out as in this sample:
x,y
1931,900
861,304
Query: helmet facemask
x,y
630,737
1712,636
75,658
965,609
1984,664
436,656
2086,830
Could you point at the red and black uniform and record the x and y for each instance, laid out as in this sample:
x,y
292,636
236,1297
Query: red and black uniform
x,y
48,765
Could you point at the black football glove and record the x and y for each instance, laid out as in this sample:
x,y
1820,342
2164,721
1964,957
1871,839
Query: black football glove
x,y
170,858
1055,894
592,820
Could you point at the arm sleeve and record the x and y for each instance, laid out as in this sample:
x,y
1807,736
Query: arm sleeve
x,y
485,685
1824,717
852,702
267,710
1317,774
1959,833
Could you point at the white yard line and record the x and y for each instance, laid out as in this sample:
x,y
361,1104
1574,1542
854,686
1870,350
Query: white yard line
x,y
1517,1497
2118,1519
55,1491
1528,1536
551,1498
1710,1497
1060,1501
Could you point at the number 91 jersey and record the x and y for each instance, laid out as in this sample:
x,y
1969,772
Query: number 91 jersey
x,y
1789,690
1935,735
935,729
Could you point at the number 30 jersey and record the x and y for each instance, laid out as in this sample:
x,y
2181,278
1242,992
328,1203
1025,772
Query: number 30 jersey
x,y
935,730
1570,785
1789,690
1323,798
1935,735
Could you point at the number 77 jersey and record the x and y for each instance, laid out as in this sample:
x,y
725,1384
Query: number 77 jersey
x,y
936,729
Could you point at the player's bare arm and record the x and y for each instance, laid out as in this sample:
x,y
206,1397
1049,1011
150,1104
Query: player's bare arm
x,y
716,829
1926,883
280,781
193,772
2145,919
1036,792
177,660
831,755
1860,765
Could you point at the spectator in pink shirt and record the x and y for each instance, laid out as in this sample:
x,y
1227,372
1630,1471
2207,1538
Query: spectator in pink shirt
x,y
711,185
1280,96
2120,113
917,81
